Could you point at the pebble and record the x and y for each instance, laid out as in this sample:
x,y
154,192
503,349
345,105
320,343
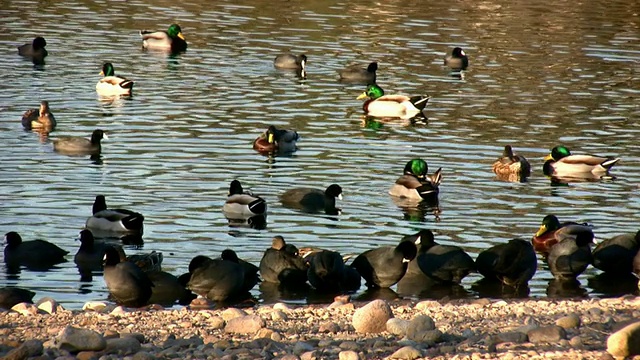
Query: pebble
x,y
123,346
372,318
248,324
348,355
29,348
549,334
49,305
570,321
232,313
301,347
397,326
419,326
515,337
625,342
25,309
281,306
279,315
330,327
75,340
406,353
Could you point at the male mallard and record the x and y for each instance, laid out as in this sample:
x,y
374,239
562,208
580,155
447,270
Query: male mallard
x,y
458,60
39,119
561,163
415,184
276,140
74,145
242,203
171,40
293,62
391,106
511,167
356,74
111,84
34,50
551,232
113,220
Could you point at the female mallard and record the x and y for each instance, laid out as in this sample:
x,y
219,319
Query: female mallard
x,y
34,50
171,40
356,74
74,145
111,84
243,203
561,163
39,119
511,167
391,106
415,183
113,220
551,232
276,140
458,60
293,62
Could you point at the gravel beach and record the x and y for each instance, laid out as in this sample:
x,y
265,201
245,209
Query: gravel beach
x,y
456,329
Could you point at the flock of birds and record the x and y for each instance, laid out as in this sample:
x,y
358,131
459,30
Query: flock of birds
x,y
418,261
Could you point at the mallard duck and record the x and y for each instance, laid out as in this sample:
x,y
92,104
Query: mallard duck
x,y
458,60
356,74
243,203
293,62
513,263
384,266
113,220
39,119
313,200
111,84
551,232
35,50
74,145
276,140
34,254
571,256
616,255
128,285
415,183
560,162
171,40
391,106
511,167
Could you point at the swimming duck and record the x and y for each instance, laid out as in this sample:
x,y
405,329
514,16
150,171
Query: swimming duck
x,y
391,106
33,254
384,266
90,255
73,145
513,263
35,50
113,220
616,255
560,162
551,232
416,184
282,263
242,203
293,62
356,74
511,167
111,84
570,257
171,40
128,285
458,60
276,140
313,200
39,119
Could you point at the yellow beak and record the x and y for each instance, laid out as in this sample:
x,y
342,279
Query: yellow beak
x,y
101,73
362,96
181,36
542,230
548,157
270,138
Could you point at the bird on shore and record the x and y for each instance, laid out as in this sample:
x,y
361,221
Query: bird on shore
x,y
11,296
391,106
116,220
511,167
282,263
128,285
552,231
561,163
571,256
171,40
327,272
216,279
416,184
616,255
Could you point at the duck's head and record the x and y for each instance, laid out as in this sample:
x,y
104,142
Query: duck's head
x,y
373,92
98,135
549,223
417,168
278,242
424,237
458,52
558,153
235,188
175,31
408,250
335,191
111,256
229,255
373,67
271,134
86,237
197,262
12,238
107,69
38,43
44,107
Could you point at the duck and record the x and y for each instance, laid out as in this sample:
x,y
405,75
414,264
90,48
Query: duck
x,y
356,74
113,220
167,289
511,167
90,254
384,266
571,256
292,62
616,255
328,273
128,285
33,254
11,296
251,277
242,203
457,60
147,262
35,50
111,84
552,231
561,163
282,264
416,184
391,106
171,40
216,279
75,145
313,200
276,140
39,119
513,263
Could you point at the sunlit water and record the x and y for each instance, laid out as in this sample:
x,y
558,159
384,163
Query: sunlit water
x,y
540,75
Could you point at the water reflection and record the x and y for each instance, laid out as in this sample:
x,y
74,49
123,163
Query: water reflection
x,y
565,288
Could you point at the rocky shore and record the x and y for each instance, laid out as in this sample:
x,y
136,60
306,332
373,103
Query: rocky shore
x,y
456,329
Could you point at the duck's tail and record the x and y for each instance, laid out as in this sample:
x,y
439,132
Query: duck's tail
x,y
608,164
420,101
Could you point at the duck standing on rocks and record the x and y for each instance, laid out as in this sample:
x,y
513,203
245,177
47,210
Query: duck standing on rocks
x,y
275,140
416,184
552,231
616,255
356,74
111,84
561,163
128,285
391,106
457,60
384,266
313,200
35,50
571,256
113,220
511,167
513,263
40,119
33,254
171,40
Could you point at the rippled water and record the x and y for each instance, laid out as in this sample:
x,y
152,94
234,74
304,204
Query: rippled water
x,y
540,75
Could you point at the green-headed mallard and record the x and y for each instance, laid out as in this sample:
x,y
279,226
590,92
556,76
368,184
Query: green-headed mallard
x,y
34,50
458,60
111,84
415,183
313,200
242,203
171,40
276,140
293,62
356,74
561,163
113,220
391,106
39,119
511,167
615,255
74,145
552,231
513,263
384,266
571,256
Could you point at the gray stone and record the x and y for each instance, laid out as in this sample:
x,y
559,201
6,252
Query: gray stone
x,y
407,353
329,326
570,321
289,357
551,333
28,349
87,355
349,345
123,346
515,337
249,324
232,313
75,340
397,326
301,347
418,326
429,337
143,355
279,315
625,342
372,318
576,342
348,355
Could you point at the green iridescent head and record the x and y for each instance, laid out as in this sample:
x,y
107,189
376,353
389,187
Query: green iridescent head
x,y
175,31
417,168
107,70
559,152
373,92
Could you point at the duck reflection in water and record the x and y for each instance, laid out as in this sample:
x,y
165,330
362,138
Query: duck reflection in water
x,y
565,288
614,285
491,288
